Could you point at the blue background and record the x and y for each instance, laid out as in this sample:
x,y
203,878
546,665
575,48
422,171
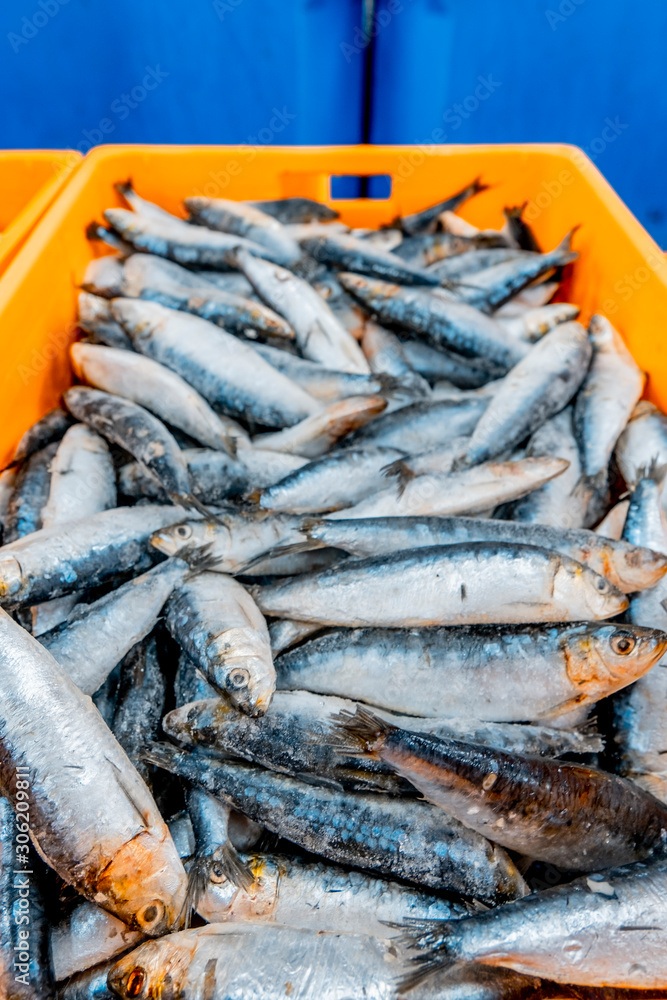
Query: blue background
x,y
557,70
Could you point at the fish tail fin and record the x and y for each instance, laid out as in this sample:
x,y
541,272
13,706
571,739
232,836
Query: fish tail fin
x,y
514,211
198,877
565,245
478,186
125,188
435,944
307,527
200,559
359,733
233,867
193,503
400,471
94,231
162,755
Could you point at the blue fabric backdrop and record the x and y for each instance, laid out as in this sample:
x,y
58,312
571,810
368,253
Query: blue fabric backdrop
x,y
589,72
79,72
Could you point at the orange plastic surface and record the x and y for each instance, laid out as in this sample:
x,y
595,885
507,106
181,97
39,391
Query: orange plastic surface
x,y
29,181
621,272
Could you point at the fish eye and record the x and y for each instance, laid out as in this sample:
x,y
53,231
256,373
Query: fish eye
x,y
135,982
217,874
238,678
151,915
602,584
184,531
623,643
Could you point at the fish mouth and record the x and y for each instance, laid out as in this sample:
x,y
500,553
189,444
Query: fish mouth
x,y
280,329
641,575
116,982
648,646
252,703
612,604
658,650
246,703
163,543
257,711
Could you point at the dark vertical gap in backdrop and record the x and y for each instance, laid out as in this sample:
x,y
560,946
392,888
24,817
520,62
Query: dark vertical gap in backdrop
x,y
367,83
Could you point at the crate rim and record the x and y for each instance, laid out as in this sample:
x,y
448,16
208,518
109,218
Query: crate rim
x,y
500,164
360,157
23,224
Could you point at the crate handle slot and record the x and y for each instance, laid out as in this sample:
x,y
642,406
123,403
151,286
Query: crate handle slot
x,y
377,187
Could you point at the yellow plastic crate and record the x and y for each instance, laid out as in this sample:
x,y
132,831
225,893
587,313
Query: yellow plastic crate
x,y
29,180
620,271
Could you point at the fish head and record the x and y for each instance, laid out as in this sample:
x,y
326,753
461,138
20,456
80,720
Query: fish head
x,y
242,669
220,896
606,658
272,322
137,317
145,884
187,539
640,568
199,722
366,288
11,576
352,282
601,331
127,222
197,203
155,970
589,595
224,900
628,651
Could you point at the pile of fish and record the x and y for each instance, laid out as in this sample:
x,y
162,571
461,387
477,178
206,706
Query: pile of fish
x,y
333,604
